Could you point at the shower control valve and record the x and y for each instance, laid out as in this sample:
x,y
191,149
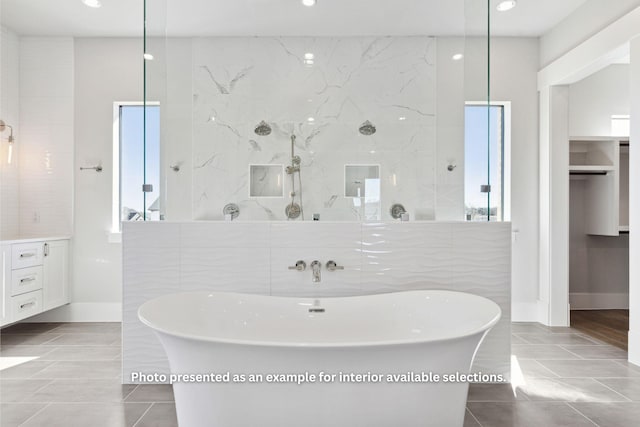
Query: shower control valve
x,y
332,266
300,266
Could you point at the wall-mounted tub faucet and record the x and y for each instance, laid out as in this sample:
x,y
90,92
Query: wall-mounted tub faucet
x,y
315,268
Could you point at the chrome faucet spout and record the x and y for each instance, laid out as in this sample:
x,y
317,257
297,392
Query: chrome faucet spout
x,y
315,268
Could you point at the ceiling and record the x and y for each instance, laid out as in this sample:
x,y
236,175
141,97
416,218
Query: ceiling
x,y
281,17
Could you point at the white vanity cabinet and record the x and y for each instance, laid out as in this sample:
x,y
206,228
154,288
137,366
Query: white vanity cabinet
x,y
35,277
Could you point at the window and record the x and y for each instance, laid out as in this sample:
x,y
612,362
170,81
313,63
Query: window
x,y
135,164
487,171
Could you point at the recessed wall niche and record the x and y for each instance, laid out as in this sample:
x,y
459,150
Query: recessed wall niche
x,y
266,181
362,181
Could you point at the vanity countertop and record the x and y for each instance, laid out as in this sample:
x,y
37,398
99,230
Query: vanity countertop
x,y
33,239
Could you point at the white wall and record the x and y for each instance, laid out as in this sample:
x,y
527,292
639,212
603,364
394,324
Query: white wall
x,y
634,207
587,20
107,70
593,100
10,113
513,78
46,136
598,265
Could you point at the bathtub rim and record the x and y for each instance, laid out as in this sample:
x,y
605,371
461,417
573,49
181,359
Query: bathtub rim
x,y
319,345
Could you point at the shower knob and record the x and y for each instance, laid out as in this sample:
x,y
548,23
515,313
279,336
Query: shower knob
x,y
231,209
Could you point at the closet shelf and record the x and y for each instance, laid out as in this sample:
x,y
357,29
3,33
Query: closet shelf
x,y
591,168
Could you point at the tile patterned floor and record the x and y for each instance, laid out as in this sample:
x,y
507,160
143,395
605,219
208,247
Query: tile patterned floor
x,y
569,378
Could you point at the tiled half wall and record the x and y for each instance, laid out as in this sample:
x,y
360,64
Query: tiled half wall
x,y
252,257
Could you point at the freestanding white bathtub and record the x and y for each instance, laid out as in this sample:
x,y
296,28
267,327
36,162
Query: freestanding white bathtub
x,y
413,335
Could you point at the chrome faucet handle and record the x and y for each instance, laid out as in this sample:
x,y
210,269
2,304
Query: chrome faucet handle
x,y
300,266
332,266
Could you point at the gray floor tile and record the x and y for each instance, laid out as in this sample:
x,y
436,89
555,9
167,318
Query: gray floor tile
x,y
557,338
533,369
88,414
152,393
14,414
25,370
81,369
527,414
159,415
493,393
596,351
73,391
30,328
110,339
569,390
589,368
17,390
541,352
629,366
24,350
517,340
26,339
82,353
532,328
611,414
628,387
93,328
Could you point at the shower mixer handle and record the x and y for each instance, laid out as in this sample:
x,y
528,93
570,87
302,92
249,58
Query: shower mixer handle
x,y
332,266
300,266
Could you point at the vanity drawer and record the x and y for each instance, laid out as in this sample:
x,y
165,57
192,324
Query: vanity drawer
x,y
26,255
26,280
25,305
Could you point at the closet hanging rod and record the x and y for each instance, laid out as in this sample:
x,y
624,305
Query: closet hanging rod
x,y
587,172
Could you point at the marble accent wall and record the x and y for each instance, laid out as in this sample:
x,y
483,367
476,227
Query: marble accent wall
x,y
321,90
252,257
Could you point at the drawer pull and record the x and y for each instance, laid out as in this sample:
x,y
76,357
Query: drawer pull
x,y
27,255
27,304
28,279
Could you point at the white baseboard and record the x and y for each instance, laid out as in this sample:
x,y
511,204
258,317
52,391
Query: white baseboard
x,y
598,301
82,312
634,347
524,312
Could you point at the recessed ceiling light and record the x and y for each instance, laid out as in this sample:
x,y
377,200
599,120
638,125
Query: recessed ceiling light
x,y
92,3
309,3
457,57
311,119
402,118
503,6
148,56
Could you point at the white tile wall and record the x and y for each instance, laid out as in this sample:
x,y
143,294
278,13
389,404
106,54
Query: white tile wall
x,y
10,113
46,137
253,257
241,81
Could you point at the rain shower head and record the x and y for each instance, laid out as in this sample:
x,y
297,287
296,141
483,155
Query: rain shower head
x,y
263,128
367,128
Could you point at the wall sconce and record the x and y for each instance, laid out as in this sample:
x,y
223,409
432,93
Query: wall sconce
x,y
10,140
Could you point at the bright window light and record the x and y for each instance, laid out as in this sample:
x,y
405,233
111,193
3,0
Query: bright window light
x,y
506,5
92,3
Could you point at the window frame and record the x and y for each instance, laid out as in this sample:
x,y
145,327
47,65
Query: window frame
x,y
505,155
116,220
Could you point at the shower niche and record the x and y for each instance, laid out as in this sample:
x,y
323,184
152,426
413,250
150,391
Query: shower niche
x,y
266,181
